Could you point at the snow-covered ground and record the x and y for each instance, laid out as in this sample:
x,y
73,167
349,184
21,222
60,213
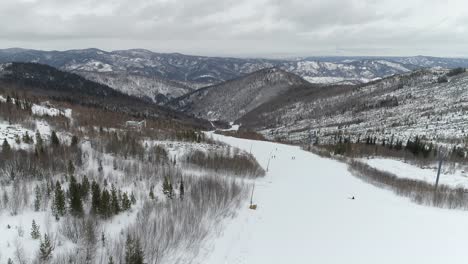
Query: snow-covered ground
x,y
16,131
40,110
305,215
449,177
16,233
44,109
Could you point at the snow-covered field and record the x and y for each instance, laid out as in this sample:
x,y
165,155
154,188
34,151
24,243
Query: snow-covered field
x,y
305,215
449,176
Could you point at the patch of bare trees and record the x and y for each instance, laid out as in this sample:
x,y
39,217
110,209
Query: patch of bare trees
x,y
239,164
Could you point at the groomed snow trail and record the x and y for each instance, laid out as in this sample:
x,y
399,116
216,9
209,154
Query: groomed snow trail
x,y
305,215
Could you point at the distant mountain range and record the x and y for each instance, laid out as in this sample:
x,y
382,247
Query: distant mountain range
x,y
160,77
358,97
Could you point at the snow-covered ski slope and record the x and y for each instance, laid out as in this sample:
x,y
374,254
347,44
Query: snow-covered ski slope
x,y
305,215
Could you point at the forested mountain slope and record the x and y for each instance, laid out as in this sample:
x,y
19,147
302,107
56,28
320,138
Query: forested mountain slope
x,y
47,81
425,103
157,76
230,100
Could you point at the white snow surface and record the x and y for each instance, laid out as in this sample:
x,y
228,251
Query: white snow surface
x,y
40,110
324,79
304,215
11,132
233,127
452,178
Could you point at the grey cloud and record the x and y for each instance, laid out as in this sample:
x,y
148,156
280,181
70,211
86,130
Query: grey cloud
x,y
249,27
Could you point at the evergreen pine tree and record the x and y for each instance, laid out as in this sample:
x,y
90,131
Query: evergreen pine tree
x,y
45,249
105,208
35,233
6,149
10,261
133,252
132,198
111,261
74,142
129,250
17,139
84,190
138,256
37,198
59,201
126,204
115,203
26,138
39,141
54,140
96,198
76,205
181,189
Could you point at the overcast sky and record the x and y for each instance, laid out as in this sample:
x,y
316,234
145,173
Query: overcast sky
x,y
272,28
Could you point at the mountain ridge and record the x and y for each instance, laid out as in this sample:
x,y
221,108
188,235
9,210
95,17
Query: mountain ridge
x,y
161,77
46,80
427,103
228,101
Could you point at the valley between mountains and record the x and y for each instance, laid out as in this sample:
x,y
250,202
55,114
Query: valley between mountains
x,y
134,156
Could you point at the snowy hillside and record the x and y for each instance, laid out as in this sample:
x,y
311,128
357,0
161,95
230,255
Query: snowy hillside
x,y
428,62
154,89
305,215
230,100
402,106
362,71
80,184
48,81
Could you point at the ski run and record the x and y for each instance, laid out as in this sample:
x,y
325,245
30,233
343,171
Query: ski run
x,y
305,215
